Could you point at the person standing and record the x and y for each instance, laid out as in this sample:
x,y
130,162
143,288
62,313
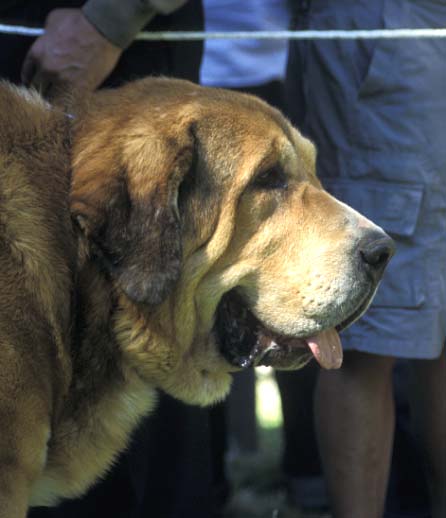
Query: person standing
x,y
376,110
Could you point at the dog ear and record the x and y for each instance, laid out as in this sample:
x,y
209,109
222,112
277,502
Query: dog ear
x,y
125,203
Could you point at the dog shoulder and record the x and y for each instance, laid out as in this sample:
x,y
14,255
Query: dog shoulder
x,y
36,241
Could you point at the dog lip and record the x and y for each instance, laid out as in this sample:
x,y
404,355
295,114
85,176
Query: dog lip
x,y
236,331
359,311
290,353
244,341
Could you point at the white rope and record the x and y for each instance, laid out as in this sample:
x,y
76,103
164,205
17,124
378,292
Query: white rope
x,y
296,35
19,30
260,35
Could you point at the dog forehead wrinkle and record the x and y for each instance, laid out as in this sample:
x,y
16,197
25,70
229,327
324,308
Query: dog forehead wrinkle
x,y
242,103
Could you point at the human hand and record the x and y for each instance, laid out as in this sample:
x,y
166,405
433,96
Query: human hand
x,y
71,53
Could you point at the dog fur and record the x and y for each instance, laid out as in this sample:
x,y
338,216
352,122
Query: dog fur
x,y
120,233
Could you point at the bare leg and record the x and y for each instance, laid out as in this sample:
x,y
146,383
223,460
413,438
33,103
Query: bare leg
x,y
354,411
429,406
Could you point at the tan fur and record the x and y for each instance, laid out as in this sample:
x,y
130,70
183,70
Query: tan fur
x,y
101,310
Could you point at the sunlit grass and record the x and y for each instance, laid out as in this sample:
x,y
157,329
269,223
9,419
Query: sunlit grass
x,y
268,405
257,477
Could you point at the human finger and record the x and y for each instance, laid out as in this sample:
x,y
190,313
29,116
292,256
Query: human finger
x,y
29,69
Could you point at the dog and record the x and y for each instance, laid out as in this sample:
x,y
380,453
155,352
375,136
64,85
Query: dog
x,y
164,237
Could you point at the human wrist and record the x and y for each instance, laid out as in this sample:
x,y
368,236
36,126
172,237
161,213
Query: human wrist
x,y
118,21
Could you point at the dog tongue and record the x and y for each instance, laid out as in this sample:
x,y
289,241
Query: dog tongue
x,y
326,348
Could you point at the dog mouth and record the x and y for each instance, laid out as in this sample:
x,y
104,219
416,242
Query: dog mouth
x,y
245,342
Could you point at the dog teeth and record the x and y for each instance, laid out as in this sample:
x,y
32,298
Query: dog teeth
x,y
245,362
272,346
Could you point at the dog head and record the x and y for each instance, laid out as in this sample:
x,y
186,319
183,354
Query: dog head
x,y
222,246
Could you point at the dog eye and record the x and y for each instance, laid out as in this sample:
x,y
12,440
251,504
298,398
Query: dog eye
x,y
273,178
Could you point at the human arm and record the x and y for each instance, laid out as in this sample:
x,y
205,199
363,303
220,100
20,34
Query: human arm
x,y
81,47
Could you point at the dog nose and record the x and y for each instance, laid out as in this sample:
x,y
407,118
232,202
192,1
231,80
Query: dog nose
x,y
376,250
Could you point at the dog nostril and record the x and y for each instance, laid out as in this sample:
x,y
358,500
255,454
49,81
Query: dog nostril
x,y
377,253
375,257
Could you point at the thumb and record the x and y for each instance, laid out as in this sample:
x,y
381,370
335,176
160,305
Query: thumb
x,y
29,68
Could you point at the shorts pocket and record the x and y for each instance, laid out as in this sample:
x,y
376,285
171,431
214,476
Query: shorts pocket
x,y
395,208
404,82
